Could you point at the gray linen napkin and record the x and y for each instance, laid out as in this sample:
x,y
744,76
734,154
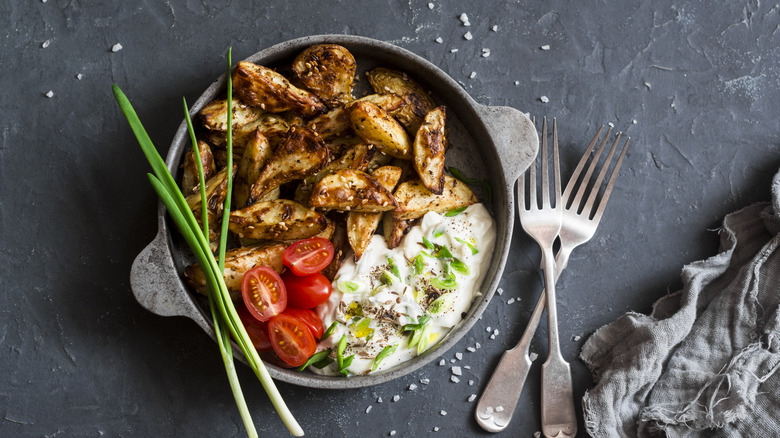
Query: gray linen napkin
x,y
705,362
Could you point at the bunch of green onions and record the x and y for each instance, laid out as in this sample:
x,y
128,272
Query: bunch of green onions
x,y
226,320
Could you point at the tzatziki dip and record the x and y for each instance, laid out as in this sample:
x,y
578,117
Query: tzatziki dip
x,y
394,304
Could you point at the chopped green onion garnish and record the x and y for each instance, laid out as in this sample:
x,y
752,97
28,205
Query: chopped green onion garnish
x,y
314,358
415,338
387,351
471,247
323,363
346,363
442,252
418,325
422,344
348,287
441,304
330,330
427,243
458,266
340,351
444,283
387,278
419,264
485,184
456,211
393,268
438,233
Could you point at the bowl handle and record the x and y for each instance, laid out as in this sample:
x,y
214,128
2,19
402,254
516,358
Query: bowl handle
x,y
156,285
515,138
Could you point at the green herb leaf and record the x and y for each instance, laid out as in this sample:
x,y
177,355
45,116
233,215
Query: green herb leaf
x,y
457,173
443,252
422,344
438,233
471,247
427,243
314,358
330,330
456,211
345,364
340,351
458,266
387,351
419,264
387,278
393,268
323,363
418,325
348,287
444,283
441,304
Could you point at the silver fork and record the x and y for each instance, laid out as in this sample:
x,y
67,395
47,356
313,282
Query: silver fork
x,y
579,223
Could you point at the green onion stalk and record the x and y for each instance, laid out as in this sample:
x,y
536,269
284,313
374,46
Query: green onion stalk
x,y
226,320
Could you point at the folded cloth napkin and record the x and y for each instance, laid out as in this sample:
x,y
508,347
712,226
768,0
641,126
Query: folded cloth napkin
x,y
705,362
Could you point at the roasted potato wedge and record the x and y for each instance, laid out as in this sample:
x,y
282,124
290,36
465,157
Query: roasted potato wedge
x,y
388,102
237,262
273,126
429,147
351,190
214,115
280,219
414,199
190,178
257,152
301,153
361,226
340,245
411,114
332,124
356,157
417,102
375,126
328,70
394,230
262,87
216,192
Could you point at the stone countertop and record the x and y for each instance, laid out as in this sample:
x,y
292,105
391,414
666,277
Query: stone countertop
x,y
695,85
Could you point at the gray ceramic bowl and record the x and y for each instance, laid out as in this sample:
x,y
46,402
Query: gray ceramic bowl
x,y
497,143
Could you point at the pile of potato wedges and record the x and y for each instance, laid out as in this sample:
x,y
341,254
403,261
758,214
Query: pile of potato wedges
x,y
313,160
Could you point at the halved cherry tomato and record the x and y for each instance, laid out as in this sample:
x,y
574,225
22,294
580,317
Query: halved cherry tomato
x,y
291,339
309,318
308,256
264,293
306,292
257,331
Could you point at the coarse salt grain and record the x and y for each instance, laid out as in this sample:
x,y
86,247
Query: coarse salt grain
x,y
471,383
544,99
436,429
439,40
500,291
459,355
368,409
485,53
379,399
464,19
533,356
79,76
430,5
412,387
517,82
443,412
471,349
392,433
45,44
495,332
466,367
49,94
442,362
499,408
116,47
454,379
545,47
473,75
633,121
477,345
510,301
425,381
576,338
467,36
396,398
492,336
488,329
494,28
611,125
453,50
457,371
472,397
452,360
537,434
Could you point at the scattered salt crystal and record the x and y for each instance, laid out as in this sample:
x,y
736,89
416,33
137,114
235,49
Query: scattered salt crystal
x,y
442,362
471,349
510,301
452,360
544,99
485,53
611,125
464,19
49,94
439,40
459,355
392,433
430,5
456,371
425,381
517,82
477,345
633,121
467,367
45,44
436,429
545,47
500,291
396,398
443,412
453,50
467,36
471,383
79,76
412,387
368,409
116,47
537,434
472,397
473,75
488,329
499,408
576,338
647,84
494,28
533,356
492,336
379,399
454,379
495,332
489,410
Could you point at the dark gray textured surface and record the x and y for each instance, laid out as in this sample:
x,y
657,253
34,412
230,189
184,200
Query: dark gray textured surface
x,y
81,358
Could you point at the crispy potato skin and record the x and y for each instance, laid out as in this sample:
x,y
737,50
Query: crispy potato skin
x,y
280,219
361,226
352,190
375,126
302,153
429,148
415,200
328,70
262,87
214,115
356,157
257,152
190,179
216,192
340,245
394,230
237,262
417,102
331,124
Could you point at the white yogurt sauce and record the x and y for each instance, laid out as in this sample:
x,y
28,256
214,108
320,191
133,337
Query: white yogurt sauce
x,y
372,304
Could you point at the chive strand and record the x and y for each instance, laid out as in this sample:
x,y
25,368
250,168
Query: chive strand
x,y
199,164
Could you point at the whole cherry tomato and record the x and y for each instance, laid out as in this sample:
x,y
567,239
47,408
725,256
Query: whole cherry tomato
x,y
306,292
311,319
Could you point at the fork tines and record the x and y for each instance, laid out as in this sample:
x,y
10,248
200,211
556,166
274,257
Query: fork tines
x,y
582,184
532,194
